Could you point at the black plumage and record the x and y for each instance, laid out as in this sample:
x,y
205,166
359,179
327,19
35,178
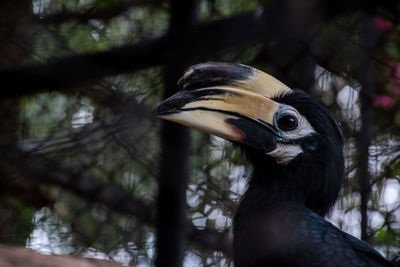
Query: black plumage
x,y
297,152
279,221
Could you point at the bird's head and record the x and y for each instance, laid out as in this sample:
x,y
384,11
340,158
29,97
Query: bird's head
x,y
288,136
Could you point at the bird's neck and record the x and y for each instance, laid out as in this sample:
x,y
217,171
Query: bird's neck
x,y
269,194
269,187
313,184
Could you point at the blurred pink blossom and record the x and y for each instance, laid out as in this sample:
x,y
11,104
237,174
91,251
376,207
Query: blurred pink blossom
x,y
382,25
385,27
382,101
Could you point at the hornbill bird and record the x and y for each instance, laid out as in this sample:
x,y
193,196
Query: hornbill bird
x,y
296,150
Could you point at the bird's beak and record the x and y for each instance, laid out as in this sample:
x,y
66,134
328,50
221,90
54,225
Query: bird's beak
x,y
227,100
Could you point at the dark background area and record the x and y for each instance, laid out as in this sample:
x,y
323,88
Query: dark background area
x,y
86,171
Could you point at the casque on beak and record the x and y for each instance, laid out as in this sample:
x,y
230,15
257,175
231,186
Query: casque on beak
x,y
227,100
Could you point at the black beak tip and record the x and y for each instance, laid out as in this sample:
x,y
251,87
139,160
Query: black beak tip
x,y
154,113
159,110
168,106
173,104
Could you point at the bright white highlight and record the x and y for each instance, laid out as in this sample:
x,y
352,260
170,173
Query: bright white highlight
x,y
82,117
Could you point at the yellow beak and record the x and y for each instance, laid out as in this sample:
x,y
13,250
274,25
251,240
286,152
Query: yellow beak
x,y
225,100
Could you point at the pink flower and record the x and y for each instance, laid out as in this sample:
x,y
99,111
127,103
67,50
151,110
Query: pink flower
x,y
382,101
383,25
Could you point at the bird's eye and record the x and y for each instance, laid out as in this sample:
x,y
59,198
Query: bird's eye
x,y
287,122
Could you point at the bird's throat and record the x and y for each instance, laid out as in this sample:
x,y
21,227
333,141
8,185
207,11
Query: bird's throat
x,y
266,192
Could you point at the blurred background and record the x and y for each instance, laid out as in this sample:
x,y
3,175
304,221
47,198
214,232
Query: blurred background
x,y
86,171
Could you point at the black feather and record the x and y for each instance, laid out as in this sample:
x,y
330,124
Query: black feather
x,y
279,220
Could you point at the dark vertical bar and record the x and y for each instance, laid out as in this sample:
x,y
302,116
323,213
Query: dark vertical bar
x,y
293,65
291,61
368,39
174,144
15,27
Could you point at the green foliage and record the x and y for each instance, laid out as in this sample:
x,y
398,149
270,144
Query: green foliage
x,y
18,223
